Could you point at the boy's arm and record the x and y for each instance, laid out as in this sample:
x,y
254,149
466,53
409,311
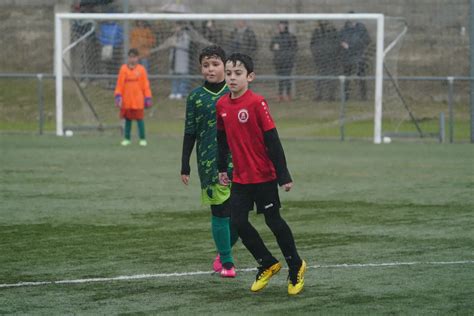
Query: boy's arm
x,y
222,145
119,87
146,84
272,143
189,136
188,146
146,89
222,151
277,156
222,157
222,148
120,82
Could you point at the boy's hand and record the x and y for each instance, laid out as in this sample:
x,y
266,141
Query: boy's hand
x,y
224,178
287,186
147,103
185,178
118,101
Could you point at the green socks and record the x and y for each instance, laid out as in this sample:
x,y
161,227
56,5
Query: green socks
x,y
141,129
222,237
128,129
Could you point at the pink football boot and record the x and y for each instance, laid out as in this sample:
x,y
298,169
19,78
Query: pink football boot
x,y
217,264
228,273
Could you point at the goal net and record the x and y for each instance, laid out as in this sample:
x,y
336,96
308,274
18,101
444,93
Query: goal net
x,y
321,73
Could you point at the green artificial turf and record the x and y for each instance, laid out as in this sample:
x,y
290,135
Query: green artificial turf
x,y
385,229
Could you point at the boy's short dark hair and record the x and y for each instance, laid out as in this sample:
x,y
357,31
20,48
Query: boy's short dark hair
x,y
212,51
133,51
246,60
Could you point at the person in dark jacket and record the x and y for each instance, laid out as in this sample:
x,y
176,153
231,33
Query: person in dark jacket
x,y
284,46
325,48
354,42
243,40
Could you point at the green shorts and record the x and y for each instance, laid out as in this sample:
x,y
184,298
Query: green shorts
x,y
215,194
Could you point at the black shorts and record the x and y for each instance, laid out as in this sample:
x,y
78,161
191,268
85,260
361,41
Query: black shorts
x,y
243,197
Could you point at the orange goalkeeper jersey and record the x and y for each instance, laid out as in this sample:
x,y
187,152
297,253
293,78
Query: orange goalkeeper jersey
x,y
133,86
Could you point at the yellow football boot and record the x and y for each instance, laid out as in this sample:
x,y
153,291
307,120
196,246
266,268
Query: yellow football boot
x,y
296,280
264,275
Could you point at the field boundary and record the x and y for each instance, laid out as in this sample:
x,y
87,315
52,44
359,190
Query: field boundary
x,y
185,274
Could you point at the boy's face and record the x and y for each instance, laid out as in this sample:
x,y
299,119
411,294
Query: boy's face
x,y
212,69
237,78
132,60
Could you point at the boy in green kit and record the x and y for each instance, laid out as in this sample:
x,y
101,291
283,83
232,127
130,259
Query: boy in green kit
x,y
200,128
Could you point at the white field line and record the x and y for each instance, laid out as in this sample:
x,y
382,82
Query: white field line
x,y
184,274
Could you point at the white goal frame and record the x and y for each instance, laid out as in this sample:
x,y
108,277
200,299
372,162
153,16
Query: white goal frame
x,y
378,18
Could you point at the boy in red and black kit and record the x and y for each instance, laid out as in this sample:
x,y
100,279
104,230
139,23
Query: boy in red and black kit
x,y
244,126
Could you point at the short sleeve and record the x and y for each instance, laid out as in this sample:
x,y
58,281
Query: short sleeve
x,y
263,114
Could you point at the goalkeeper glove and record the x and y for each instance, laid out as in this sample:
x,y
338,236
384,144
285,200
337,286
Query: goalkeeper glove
x,y
147,102
118,100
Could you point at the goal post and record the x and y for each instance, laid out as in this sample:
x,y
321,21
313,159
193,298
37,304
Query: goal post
x,y
378,19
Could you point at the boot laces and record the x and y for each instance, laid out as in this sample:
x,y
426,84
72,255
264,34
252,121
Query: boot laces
x,y
293,276
260,272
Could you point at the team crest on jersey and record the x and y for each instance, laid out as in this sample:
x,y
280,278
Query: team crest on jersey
x,y
243,116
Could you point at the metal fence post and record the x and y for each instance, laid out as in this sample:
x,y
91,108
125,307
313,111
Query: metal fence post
x,y
471,81
40,103
126,31
450,108
442,134
342,80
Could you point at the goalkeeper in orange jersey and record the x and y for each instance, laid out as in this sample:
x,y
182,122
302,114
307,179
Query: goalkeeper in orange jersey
x,y
132,96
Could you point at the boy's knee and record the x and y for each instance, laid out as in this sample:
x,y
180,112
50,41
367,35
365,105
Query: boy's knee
x,y
273,220
239,222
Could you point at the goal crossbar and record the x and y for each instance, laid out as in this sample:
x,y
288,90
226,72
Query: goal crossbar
x,y
378,18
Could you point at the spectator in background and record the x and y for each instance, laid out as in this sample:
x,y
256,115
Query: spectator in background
x,y
179,60
284,46
111,39
182,44
143,39
212,33
354,42
325,48
243,40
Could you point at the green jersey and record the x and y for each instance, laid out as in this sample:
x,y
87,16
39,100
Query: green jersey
x,y
201,122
